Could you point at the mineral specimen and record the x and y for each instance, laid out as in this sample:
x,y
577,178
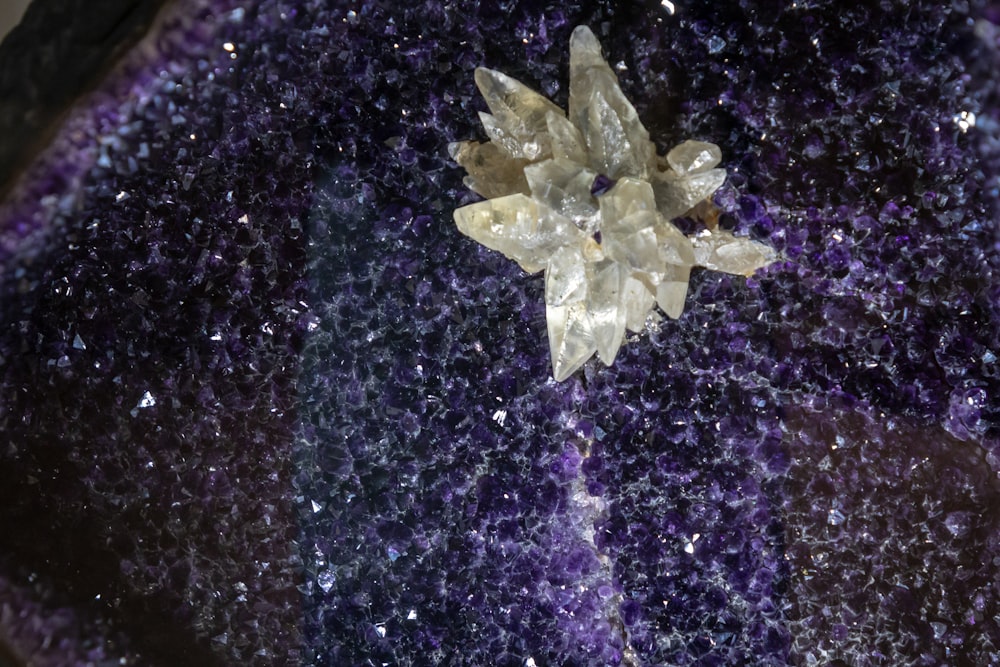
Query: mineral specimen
x,y
608,254
352,460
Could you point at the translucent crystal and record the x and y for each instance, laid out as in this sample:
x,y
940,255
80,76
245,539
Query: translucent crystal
x,y
492,172
518,114
629,228
721,251
607,309
677,194
566,140
617,142
672,290
628,196
566,277
674,248
694,157
571,338
564,187
512,144
638,301
635,250
519,227
584,197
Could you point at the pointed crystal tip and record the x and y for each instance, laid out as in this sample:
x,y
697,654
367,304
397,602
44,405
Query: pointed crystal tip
x,y
583,40
694,157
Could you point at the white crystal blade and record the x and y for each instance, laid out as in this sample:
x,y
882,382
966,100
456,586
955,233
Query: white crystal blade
x,y
520,145
611,148
617,142
676,195
517,227
607,309
585,50
694,157
703,184
635,250
566,140
672,290
638,301
508,98
564,186
628,196
571,340
565,277
721,251
673,246
492,172
629,225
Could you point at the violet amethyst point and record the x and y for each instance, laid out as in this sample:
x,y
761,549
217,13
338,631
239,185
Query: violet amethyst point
x,y
601,185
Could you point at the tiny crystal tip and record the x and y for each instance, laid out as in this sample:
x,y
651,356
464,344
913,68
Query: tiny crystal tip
x,y
583,196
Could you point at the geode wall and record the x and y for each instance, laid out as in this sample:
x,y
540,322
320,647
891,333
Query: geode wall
x,y
262,403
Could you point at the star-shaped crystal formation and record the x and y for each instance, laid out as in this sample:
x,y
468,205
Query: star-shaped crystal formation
x,y
584,197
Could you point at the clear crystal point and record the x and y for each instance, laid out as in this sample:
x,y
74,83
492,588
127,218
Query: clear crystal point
x,y
566,277
519,227
635,250
566,140
674,248
693,157
617,143
672,290
516,145
628,196
721,251
571,339
638,302
564,186
676,194
491,170
518,113
608,316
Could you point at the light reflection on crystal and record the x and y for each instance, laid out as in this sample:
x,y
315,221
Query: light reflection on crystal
x,y
326,580
585,198
147,401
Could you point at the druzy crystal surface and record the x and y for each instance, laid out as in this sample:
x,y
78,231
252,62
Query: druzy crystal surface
x,y
262,403
607,259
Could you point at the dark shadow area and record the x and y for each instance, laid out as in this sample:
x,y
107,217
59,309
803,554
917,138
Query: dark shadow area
x,y
7,658
62,548
59,51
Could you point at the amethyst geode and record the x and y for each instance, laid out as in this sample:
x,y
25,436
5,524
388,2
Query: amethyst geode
x,y
262,403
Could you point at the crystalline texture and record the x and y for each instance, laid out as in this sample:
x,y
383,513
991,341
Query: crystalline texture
x,y
565,277
585,198
672,290
519,227
694,157
606,306
518,122
687,177
571,338
617,143
492,172
721,251
564,187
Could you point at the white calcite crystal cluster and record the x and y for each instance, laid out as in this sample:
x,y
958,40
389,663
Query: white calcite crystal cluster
x,y
584,197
